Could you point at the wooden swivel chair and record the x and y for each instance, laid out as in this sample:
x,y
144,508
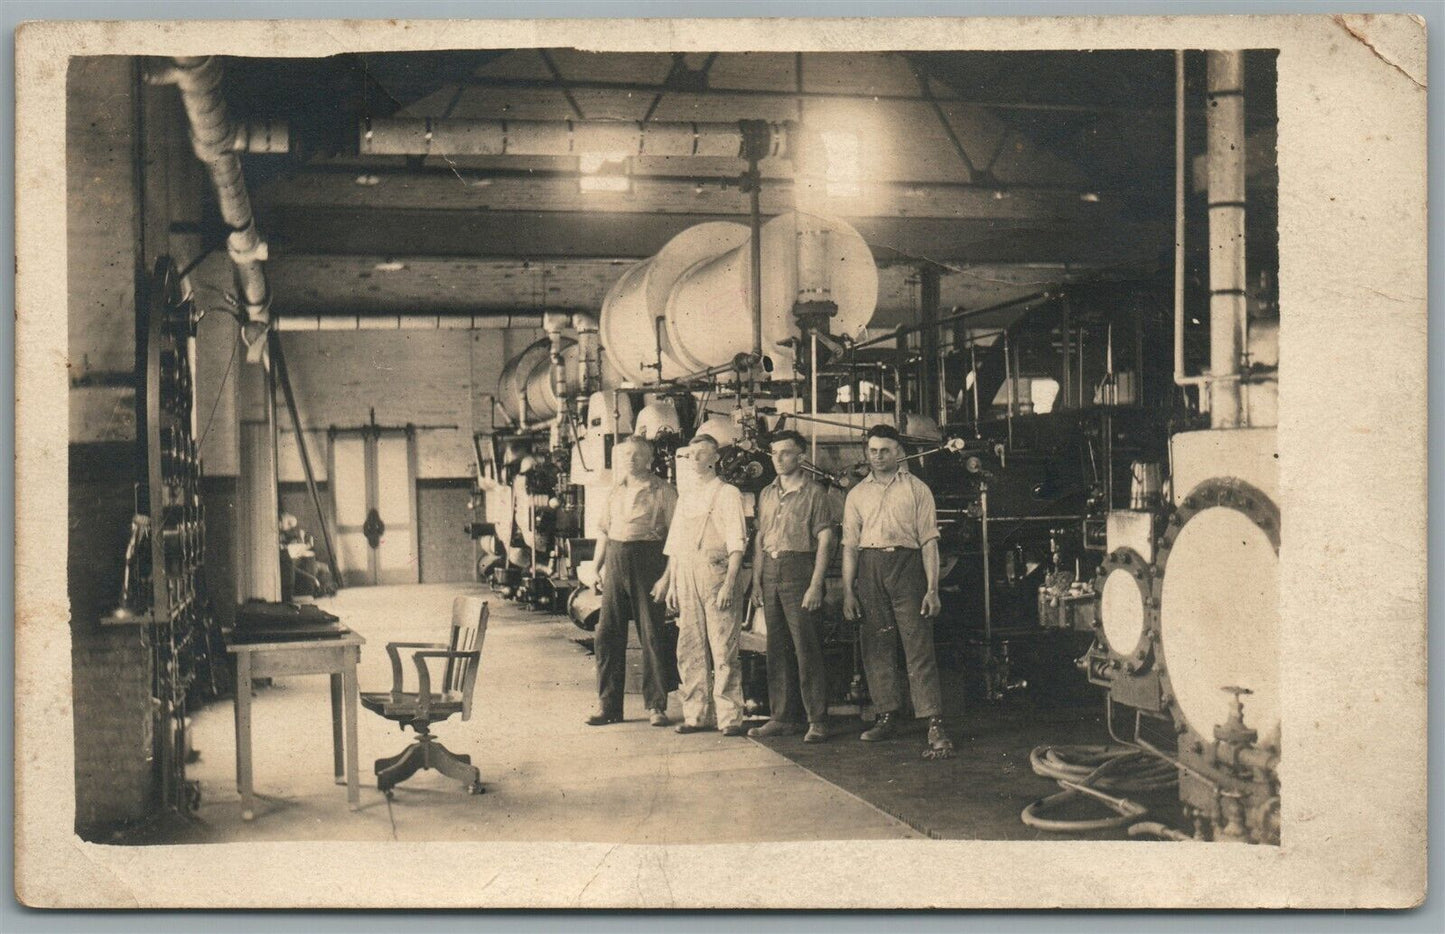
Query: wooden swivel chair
x,y
420,709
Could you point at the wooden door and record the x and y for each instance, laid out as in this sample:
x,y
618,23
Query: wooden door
x,y
372,478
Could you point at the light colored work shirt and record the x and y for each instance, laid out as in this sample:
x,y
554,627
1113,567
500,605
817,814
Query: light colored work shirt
x,y
708,520
637,510
898,513
791,520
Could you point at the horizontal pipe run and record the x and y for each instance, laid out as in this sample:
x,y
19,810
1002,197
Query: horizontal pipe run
x,y
950,319
782,183
421,136
495,322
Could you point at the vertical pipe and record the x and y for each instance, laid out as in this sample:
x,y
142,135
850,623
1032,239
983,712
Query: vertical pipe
x,y
1067,387
755,211
987,565
1011,379
1179,378
973,371
1227,307
812,390
1079,399
900,338
930,400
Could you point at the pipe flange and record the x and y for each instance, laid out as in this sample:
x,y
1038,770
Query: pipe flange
x,y
1218,492
1129,562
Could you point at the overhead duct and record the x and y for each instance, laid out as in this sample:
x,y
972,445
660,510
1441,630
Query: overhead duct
x,y
421,136
458,136
214,138
688,305
526,390
338,322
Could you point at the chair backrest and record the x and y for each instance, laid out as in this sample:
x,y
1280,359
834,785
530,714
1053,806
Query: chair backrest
x,y
469,628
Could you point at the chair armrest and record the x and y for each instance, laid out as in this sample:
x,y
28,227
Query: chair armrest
x,y
423,692
396,679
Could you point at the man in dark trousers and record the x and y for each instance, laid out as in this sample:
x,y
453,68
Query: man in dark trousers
x,y
791,552
890,580
634,520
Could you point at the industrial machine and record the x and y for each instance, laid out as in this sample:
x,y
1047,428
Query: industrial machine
x,y
1189,626
1096,504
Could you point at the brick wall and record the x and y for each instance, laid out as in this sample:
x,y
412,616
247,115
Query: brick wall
x,y
439,378
111,666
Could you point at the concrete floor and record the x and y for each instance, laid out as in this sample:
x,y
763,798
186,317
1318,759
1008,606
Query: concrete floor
x,y
548,776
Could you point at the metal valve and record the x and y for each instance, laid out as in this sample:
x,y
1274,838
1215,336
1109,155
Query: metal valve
x,y
1233,730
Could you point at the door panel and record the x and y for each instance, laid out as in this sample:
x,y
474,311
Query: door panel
x,y
396,502
375,469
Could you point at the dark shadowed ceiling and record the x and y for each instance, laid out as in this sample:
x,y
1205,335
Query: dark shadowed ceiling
x,y
1008,169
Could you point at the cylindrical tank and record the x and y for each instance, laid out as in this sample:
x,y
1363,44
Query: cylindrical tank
x,y
630,310
699,285
525,389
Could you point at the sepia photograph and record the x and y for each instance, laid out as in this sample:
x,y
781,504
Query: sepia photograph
x,y
671,446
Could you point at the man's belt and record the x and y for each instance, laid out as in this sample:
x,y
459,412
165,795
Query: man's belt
x,y
778,553
889,549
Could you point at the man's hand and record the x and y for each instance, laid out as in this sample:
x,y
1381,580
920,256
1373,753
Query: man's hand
x,y
932,606
813,599
851,609
756,598
601,576
725,594
660,591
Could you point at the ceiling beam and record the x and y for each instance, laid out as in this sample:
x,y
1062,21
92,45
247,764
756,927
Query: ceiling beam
x,y
634,87
464,190
326,229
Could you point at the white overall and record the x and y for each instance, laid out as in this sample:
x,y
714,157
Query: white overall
x,y
707,640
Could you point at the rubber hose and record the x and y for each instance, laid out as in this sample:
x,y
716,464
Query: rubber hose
x,y
1113,768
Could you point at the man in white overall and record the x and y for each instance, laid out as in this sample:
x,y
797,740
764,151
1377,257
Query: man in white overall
x,y
704,551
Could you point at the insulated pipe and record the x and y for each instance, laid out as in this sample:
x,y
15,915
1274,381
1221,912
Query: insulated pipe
x,y
1227,305
1179,378
590,351
213,139
422,136
336,322
554,323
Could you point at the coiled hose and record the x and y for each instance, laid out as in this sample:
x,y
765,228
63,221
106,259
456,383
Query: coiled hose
x,y
1093,771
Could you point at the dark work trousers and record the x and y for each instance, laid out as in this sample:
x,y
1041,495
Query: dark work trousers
x,y
891,585
632,570
797,679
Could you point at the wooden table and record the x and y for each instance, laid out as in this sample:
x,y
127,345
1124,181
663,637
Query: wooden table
x,y
336,657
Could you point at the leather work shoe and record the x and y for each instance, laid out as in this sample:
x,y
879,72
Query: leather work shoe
x,y
659,718
602,719
690,728
817,733
737,729
883,728
939,745
774,728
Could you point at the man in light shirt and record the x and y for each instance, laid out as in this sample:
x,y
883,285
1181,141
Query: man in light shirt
x,y
704,552
790,561
634,520
890,581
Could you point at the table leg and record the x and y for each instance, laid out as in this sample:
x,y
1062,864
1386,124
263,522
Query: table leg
x,y
348,688
243,735
337,746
